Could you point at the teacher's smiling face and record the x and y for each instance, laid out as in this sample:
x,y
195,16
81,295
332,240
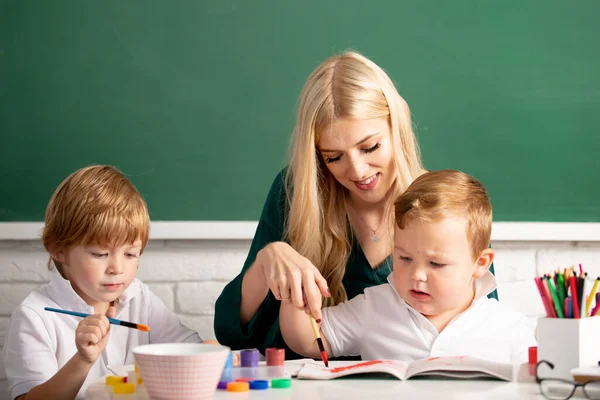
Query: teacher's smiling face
x,y
359,155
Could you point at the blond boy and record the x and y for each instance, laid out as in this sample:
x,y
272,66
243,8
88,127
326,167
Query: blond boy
x,y
436,301
96,228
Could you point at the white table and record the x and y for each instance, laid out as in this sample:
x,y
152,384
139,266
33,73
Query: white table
x,y
378,389
375,389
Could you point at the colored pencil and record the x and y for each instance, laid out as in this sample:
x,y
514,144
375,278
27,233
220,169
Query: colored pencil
x,y
319,341
566,275
574,296
565,294
581,293
113,321
596,310
591,297
545,300
560,288
557,304
570,307
548,296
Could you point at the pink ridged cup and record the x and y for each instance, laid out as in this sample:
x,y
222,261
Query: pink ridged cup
x,y
180,371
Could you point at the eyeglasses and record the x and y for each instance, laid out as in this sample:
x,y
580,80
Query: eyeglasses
x,y
562,389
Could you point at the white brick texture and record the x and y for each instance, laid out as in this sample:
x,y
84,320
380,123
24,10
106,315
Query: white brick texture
x,y
198,298
164,291
551,259
192,261
189,275
203,324
23,265
514,265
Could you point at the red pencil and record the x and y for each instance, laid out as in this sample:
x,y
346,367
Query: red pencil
x,y
319,341
549,297
595,310
574,294
547,306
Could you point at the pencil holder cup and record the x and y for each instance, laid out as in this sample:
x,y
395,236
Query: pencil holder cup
x,y
567,343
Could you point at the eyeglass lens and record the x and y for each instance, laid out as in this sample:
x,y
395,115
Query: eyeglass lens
x,y
559,390
556,390
592,390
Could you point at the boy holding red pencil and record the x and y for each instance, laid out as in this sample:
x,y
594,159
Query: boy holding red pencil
x,y
436,301
96,228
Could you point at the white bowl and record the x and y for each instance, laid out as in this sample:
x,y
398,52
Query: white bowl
x,y
181,371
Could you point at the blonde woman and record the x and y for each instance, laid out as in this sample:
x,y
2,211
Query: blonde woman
x,y
325,233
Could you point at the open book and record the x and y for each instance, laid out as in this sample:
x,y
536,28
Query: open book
x,y
453,367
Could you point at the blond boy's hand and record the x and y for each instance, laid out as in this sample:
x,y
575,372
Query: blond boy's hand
x,y
91,335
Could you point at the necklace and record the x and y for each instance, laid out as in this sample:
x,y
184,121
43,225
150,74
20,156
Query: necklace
x,y
374,237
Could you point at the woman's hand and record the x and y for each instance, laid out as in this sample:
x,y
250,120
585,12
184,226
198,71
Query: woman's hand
x,y
293,277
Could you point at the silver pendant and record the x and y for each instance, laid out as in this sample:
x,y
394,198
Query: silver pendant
x,y
374,238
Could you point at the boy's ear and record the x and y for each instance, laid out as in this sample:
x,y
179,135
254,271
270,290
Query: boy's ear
x,y
58,256
482,264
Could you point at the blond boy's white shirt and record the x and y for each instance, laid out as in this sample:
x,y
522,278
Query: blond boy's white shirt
x,y
379,324
39,343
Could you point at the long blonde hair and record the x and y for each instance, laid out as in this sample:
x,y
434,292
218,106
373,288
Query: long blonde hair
x,y
343,86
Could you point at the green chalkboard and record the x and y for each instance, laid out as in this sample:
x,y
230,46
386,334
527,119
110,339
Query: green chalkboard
x,y
195,100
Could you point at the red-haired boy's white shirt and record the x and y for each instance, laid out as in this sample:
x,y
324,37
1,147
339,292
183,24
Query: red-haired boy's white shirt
x,y
379,324
39,343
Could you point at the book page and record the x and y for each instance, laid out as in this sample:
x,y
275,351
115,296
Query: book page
x,y
292,367
460,367
337,369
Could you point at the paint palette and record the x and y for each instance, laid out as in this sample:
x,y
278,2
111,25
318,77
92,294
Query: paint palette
x,y
255,375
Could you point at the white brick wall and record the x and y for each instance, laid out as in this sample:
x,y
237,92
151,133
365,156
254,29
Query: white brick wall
x,y
189,275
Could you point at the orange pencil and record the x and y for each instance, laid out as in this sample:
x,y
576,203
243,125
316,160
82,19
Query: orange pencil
x,y
319,341
567,275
